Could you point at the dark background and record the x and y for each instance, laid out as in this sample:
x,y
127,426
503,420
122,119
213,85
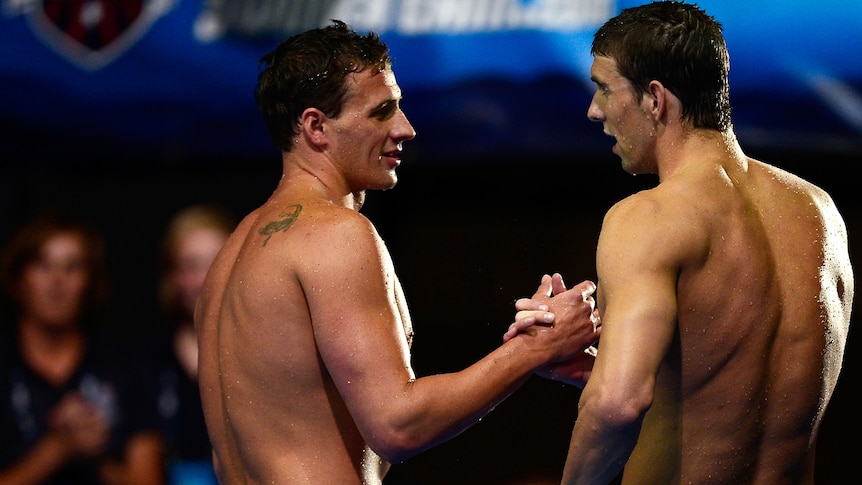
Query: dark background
x,y
468,237
506,180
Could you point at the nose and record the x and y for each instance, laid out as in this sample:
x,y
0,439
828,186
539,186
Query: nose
x,y
593,112
404,129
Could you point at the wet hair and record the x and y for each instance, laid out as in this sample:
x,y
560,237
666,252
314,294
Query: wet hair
x,y
309,70
679,45
26,245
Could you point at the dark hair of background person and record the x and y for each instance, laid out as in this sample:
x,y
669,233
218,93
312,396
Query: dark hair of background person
x,y
24,246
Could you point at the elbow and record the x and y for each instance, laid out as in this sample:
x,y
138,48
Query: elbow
x,y
396,446
618,410
408,428
399,437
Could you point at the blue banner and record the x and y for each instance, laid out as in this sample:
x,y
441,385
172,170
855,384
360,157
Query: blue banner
x,y
480,77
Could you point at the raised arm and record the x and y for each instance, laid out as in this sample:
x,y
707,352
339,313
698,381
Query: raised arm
x,y
360,321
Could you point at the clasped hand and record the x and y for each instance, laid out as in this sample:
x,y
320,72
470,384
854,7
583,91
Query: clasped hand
x,y
552,303
81,428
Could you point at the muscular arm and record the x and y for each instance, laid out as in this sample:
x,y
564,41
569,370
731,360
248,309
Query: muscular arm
x,y
359,323
637,268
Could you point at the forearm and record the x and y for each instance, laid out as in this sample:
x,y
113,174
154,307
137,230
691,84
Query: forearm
x,y
602,440
439,407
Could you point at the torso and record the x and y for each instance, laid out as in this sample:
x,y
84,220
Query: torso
x,y
741,392
273,412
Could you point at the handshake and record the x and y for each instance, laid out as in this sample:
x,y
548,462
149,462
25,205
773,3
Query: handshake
x,y
571,314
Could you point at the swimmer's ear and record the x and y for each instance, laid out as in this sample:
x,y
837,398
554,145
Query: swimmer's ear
x,y
312,124
655,98
660,102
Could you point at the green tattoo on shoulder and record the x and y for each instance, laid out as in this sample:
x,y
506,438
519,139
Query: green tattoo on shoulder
x,y
282,224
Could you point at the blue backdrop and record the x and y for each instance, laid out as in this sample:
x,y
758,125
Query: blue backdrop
x,y
480,77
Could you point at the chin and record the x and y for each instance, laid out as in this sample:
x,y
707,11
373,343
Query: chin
x,y
390,184
393,179
629,166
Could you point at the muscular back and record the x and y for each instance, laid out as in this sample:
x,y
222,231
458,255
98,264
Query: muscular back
x,y
273,412
763,296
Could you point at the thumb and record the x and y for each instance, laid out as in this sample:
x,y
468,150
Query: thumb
x,y
557,284
545,287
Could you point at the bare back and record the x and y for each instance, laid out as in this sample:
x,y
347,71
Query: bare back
x,y
273,410
763,296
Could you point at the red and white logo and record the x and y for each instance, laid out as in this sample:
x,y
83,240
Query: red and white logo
x,y
93,33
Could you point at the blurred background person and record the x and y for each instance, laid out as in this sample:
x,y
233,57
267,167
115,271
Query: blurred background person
x,y
69,398
191,240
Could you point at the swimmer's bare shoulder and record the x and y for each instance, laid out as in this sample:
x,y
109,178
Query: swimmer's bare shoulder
x,y
284,272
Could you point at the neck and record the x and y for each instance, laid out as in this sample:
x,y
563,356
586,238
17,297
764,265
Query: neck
x,y
301,178
53,352
697,147
49,335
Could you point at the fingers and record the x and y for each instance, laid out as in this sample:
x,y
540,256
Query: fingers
x,y
535,310
553,286
582,293
534,317
528,304
586,288
526,319
534,303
